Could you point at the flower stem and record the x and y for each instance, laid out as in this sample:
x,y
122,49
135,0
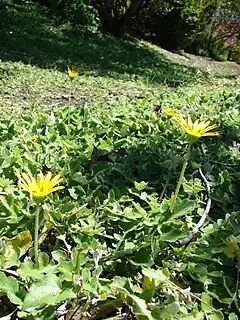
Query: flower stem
x,y
78,263
70,96
181,174
36,227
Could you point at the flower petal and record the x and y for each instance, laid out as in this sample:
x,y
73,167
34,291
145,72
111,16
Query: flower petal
x,y
27,178
47,179
203,125
212,133
56,180
190,124
214,126
57,188
40,180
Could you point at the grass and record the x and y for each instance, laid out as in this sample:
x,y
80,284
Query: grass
x,y
109,242
36,50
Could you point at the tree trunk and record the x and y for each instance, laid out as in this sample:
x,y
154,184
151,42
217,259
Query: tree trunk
x,y
116,26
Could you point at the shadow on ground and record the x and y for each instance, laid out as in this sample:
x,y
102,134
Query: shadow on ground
x,y
31,35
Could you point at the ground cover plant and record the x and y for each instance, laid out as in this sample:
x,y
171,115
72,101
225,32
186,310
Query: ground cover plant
x,y
114,202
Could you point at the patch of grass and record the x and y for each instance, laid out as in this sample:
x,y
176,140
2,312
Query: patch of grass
x,y
36,50
30,34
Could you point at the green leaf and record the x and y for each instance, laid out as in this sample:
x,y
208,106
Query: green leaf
x,y
73,193
22,241
142,257
105,145
140,307
196,316
161,275
66,268
111,196
58,255
192,187
66,294
9,256
170,310
29,270
78,176
140,185
216,316
9,286
10,207
172,235
232,316
206,301
46,291
43,259
219,196
182,208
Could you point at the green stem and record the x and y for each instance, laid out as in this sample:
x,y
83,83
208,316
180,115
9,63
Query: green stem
x,y
181,174
70,96
78,263
36,227
75,275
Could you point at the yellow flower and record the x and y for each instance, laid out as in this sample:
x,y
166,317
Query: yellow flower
x,y
197,129
72,73
42,187
169,112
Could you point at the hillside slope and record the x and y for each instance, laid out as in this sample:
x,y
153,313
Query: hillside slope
x,y
36,48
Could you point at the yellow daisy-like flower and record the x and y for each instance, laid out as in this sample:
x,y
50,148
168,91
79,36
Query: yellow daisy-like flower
x,y
169,111
197,129
72,73
42,186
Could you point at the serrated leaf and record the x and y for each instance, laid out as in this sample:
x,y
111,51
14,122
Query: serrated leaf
x,y
181,208
105,145
140,185
192,188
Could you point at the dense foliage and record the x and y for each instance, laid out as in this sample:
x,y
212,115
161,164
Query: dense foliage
x,y
203,27
109,240
194,26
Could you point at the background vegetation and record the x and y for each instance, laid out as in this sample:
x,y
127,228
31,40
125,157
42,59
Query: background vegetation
x,y
207,27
